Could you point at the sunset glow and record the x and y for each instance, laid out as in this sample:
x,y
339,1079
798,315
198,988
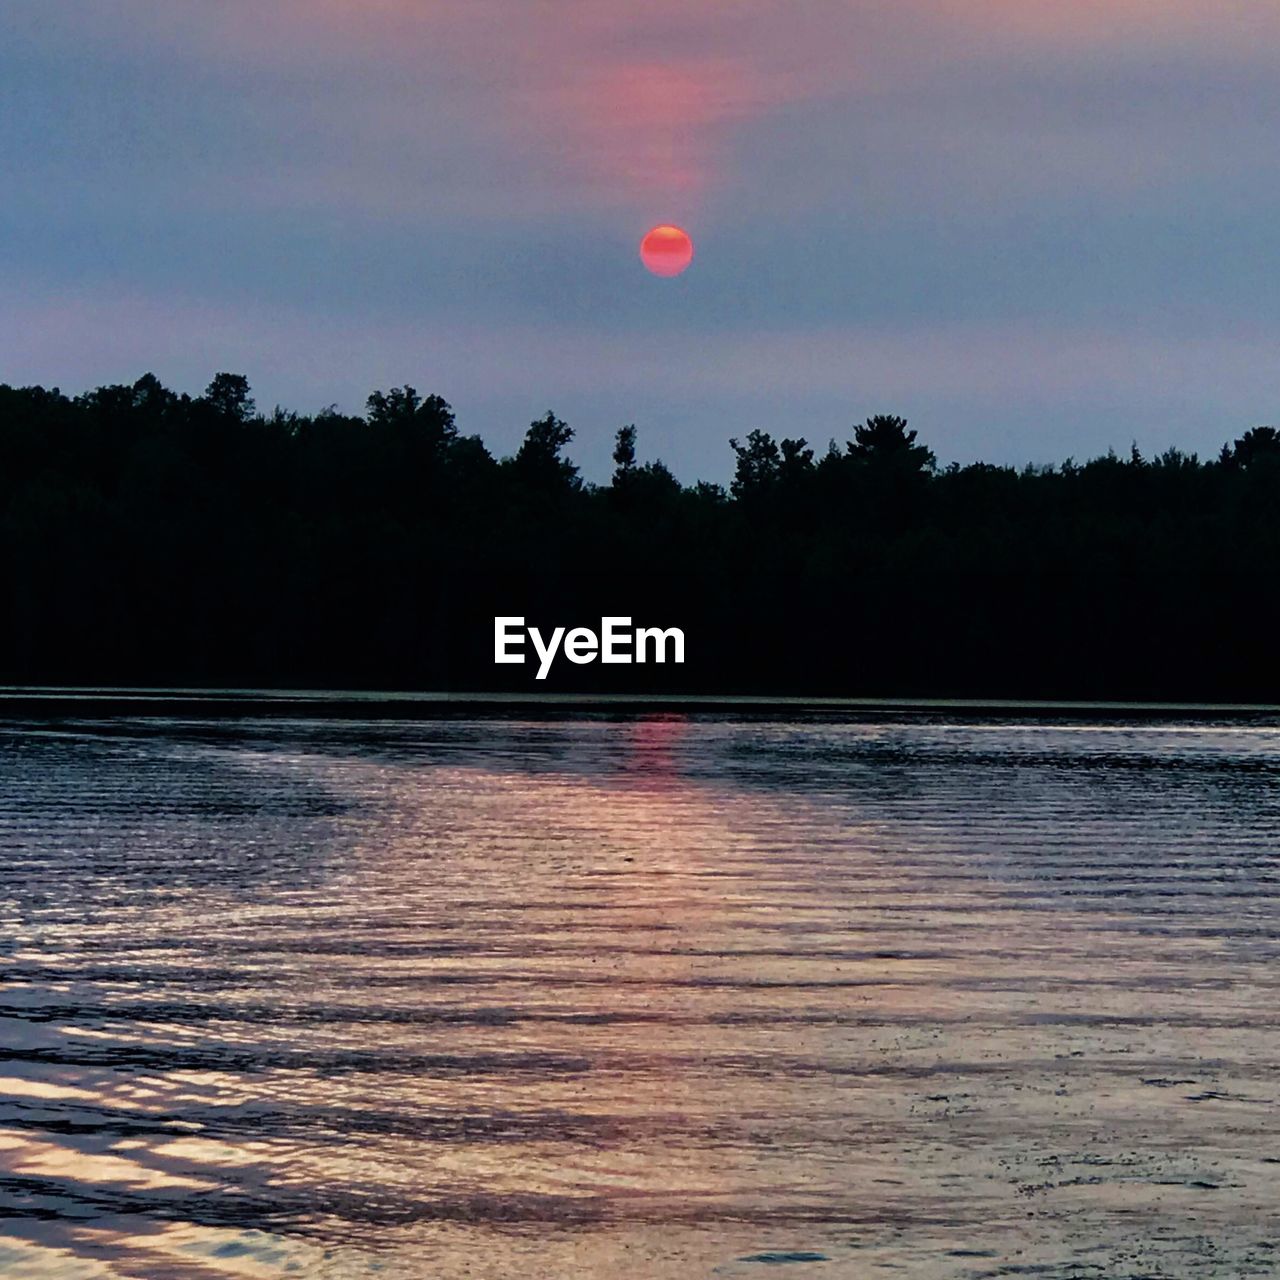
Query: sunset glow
x,y
897,192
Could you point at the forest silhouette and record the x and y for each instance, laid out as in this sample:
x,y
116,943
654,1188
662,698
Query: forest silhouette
x,y
153,538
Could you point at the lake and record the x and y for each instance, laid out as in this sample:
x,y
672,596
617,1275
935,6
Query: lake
x,y
640,996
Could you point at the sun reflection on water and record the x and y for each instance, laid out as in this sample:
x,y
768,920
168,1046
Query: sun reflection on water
x,y
659,996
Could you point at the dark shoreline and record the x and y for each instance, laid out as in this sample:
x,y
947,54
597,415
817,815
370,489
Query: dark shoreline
x,y
151,538
22,702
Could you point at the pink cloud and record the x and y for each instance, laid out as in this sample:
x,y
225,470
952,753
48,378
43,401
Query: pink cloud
x,y
651,110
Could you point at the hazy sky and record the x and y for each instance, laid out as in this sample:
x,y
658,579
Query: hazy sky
x,y
1036,229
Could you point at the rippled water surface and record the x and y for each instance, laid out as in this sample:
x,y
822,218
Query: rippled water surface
x,y
652,997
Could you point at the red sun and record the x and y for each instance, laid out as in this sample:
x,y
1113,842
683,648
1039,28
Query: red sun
x,y
666,251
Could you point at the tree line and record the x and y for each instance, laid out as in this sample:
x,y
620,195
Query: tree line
x,y
148,537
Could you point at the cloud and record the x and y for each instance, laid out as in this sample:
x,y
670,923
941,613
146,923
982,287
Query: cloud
x,y
521,108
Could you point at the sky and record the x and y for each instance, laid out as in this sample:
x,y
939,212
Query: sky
x,y
1035,229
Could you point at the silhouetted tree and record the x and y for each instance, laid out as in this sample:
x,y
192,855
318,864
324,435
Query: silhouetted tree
x,y
624,453
539,462
428,424
642,487
795,464
1260,445
884,441
228,395
197,541
756,469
